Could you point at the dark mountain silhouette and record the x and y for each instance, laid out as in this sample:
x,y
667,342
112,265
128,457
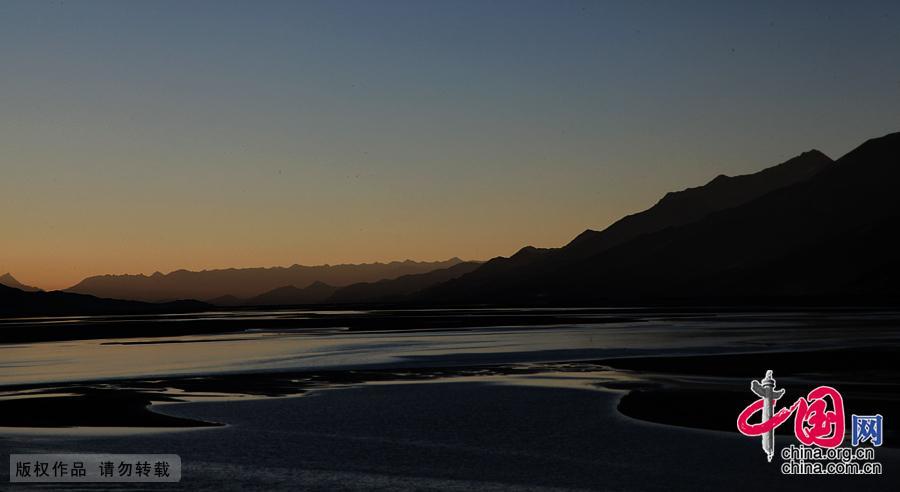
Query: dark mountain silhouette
x,y
289,295
507,276
16,302
832,236
398,289
226,300
8,280
382,291
243,282
807,230
690,205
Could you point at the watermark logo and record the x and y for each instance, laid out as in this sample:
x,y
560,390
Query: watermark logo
x,y
819,424
85,468
866,428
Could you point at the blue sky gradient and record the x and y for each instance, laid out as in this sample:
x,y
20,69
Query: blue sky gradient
x,y
142,136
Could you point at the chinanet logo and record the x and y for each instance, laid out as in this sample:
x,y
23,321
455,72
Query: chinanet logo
x,y
819,425
803,460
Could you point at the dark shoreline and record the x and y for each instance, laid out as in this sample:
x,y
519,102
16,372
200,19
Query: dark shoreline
x,y
92,407
126,402
709,391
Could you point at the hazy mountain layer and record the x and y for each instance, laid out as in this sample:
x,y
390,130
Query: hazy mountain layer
x,y
244,283
398,289
8,280
315,293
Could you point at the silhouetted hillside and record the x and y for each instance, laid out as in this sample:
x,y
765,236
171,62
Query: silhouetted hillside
x,y
15,302
227,300
289,295
8,280
400,288
810,229
690,205
243,282
833,236
506,277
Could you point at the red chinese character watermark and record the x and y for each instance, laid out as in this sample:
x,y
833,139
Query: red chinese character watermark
x,y
814,422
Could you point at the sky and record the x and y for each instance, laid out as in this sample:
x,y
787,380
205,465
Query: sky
x,y
151,136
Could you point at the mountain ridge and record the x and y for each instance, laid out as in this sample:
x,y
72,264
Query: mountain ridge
x,y
400,288
788,243
8,280
243,283
314,293
672,210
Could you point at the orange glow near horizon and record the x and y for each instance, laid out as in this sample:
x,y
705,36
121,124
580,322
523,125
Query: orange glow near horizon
x,y
155,136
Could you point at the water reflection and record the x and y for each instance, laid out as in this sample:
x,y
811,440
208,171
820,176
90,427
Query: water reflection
x,y
584,337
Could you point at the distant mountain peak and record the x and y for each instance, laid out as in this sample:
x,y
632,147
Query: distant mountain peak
x,y
318,284
8,280
313,293
816,153
728,191
528,251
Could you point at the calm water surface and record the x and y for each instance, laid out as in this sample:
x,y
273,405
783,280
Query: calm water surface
x,y
594,336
